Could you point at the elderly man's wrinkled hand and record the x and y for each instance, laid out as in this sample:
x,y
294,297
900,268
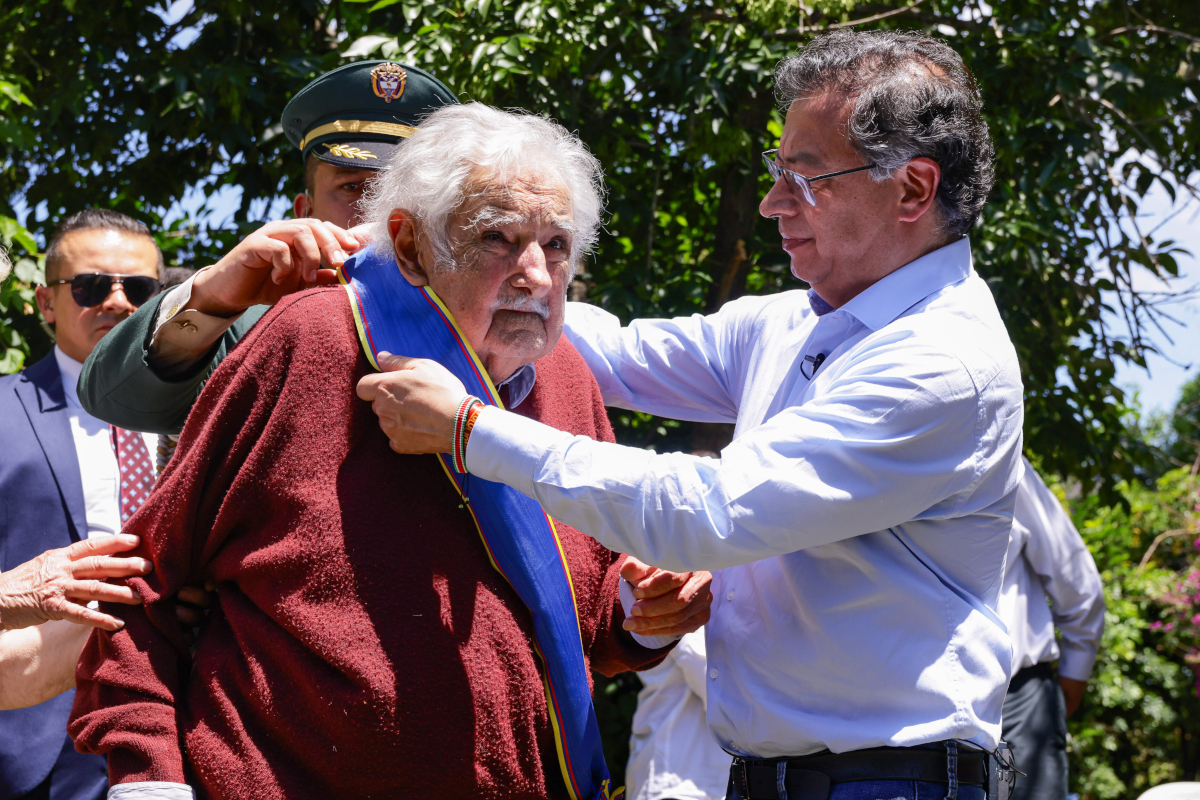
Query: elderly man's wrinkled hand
x,y
415,400
60,583
668,603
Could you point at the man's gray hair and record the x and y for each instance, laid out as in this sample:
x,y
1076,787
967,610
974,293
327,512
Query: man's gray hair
x,y
458,145
912,96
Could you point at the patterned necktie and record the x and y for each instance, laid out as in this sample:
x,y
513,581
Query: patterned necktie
x,y
137,472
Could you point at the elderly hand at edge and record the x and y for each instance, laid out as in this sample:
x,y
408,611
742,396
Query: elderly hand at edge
x,y
60,583
668,603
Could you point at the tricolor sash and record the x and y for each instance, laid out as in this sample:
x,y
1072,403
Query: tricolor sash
x,y
394,316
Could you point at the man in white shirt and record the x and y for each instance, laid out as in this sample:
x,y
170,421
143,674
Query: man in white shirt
x,y
66,476
1047,560
672,755
859,521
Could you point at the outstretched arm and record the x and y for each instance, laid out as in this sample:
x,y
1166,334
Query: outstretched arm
x,y
677,368
147,373
38,663
797,481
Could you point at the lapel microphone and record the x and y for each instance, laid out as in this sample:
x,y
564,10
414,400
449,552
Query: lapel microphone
x,y
816,362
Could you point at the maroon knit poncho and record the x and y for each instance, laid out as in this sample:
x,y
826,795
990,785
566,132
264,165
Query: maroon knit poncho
x,y
362,644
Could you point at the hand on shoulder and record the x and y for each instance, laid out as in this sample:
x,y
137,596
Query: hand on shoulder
x,y
278,259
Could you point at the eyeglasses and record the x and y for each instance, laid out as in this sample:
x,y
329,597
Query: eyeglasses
x,y
776,170
93,288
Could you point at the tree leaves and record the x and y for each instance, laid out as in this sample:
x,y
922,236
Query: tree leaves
x,y
1091,103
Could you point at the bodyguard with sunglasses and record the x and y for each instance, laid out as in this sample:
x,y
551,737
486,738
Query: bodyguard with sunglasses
x,y
858,523
67,477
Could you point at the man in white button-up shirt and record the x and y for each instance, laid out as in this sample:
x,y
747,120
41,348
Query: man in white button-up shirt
x,y
860,518
1047,560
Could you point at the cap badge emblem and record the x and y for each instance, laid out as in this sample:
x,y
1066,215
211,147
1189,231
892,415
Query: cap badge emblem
x,y
387,81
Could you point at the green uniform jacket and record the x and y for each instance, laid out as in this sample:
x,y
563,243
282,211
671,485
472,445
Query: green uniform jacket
x,y
119,387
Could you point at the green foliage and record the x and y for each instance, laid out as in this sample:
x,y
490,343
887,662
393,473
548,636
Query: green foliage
x,y
20,335
1140,723
1183,443
103,106
1091,103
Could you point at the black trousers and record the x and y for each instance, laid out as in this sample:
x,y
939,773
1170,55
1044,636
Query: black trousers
x,y
1035,727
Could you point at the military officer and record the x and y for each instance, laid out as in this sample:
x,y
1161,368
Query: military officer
x,y
146,374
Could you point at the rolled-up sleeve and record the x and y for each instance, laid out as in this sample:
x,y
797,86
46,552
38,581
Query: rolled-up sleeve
x,y
895,433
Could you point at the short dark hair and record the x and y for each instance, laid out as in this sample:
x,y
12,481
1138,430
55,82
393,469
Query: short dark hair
x,y
310,174
174,276
94,219
912,96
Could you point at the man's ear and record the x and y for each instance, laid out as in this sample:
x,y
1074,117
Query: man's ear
x,y
919,180
45,303
300,205
402,229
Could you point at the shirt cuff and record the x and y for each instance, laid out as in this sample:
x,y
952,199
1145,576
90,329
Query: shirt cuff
x,y
1075,663
181,338
649,642
151,790
508,448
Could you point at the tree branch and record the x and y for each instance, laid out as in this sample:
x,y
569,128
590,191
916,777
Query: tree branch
x,y
1157,541
1152,29
791,34
798,34
1133,126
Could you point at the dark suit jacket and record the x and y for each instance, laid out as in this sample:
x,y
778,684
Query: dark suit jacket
x,y
41,508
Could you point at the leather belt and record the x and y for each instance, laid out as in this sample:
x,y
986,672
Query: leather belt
x,y
811,777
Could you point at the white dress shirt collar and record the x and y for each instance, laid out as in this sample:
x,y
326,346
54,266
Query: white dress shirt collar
x,y
519,384
70,369
881,303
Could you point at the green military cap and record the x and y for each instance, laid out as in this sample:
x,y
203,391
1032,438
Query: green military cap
x,y
354,116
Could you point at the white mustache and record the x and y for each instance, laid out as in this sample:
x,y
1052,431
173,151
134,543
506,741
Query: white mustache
x,y
525,303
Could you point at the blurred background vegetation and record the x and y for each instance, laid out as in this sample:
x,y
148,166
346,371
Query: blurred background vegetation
x,y
170,113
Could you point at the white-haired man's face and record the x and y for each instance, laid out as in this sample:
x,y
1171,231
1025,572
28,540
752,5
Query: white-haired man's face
x,y
511,247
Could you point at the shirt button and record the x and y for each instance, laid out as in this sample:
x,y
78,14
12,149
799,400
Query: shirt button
x,y
729,596
712,673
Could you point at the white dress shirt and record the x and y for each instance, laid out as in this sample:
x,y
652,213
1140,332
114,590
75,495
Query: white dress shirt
x,y
1047,558
859,521
98,470
672,754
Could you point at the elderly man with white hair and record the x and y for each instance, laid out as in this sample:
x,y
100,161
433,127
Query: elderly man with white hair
x,y
385,626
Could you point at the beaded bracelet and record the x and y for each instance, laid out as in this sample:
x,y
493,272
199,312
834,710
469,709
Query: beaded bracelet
x,y
462,430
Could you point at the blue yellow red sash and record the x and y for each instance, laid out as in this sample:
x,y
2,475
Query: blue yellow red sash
x,y
394,316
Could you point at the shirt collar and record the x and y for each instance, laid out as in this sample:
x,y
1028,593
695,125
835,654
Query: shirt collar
x,y
70,369
519,384
885,300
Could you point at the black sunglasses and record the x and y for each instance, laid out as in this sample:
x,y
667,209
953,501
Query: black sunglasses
x,y
93,288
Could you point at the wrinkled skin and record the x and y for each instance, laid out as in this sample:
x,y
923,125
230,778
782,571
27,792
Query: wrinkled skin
x,y
60,583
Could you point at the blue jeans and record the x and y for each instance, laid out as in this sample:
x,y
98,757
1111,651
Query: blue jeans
x,y
893,790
